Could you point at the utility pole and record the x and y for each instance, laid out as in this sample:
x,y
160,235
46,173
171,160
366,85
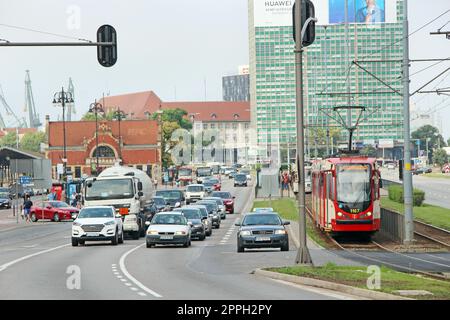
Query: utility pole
x,y
407,175
303,255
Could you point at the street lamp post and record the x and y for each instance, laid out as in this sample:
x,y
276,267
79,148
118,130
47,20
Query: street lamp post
x,y
119,115
61,98
160,129
95,108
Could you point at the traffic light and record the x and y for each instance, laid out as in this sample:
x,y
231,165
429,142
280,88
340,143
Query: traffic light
x,y
308,11
107,55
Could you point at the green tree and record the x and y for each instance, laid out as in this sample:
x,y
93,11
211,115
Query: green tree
x,y
431,133
9,140
88,116
448,142
172,119
32,141
369,151
440,157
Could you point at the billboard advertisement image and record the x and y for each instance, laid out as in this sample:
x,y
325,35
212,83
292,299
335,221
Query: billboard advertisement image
x,y
359,11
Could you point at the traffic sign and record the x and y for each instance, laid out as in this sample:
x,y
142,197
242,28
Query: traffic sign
x,y
25,180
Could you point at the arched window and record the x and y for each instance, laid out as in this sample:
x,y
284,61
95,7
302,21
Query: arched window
x,y
104,152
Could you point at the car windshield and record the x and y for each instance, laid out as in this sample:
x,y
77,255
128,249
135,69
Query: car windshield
x,y
59,204
263,209
4,195
213,181
184,172
219,202
223,195
191,213
169,194
211,206
353,187
195,188
159,201
203,212
109,189
208,183
240,177
175,219
261,219
96,213
203,172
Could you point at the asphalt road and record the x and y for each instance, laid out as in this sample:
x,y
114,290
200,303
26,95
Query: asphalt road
x,y
38,262
436,190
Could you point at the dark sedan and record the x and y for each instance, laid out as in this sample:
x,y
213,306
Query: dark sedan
x,y
227,198
174,198
265,230
240,179
213,211
198,229
161,204
5,200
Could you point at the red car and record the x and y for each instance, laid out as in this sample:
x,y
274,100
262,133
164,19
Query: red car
x,y
52,210
227,198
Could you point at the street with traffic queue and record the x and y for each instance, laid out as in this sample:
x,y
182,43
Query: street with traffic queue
x,y
38,262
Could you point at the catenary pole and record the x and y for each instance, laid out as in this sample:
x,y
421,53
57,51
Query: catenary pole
x,y
407,176
303,256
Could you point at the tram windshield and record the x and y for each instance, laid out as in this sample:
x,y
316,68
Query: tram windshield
x,y
353,187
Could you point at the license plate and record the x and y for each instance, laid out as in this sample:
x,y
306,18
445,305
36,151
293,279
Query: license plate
x,y
93,234
166,237
262,239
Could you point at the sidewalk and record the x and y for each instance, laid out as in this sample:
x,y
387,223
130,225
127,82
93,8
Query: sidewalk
x,y
9,221
320,256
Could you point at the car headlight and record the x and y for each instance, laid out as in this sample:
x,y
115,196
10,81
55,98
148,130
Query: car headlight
x,y
76,224
177,204
109,223
280,232
246,233
152,232
206,222
180,233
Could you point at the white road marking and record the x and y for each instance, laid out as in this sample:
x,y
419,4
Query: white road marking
x,y
128,284
123,280
134,289
130,277
142,294
30,247
7,265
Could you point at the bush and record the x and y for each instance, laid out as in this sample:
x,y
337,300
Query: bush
x,y
396,194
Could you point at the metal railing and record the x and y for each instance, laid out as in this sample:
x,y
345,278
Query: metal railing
x,y
392,225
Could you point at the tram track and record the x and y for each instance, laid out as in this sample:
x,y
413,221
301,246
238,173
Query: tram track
x,y
361,248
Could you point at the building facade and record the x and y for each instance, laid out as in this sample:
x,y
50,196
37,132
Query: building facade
x,y
236,87
331,78
136,146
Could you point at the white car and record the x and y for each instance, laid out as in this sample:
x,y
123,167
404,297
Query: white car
x,y
97,223
169,228
194,192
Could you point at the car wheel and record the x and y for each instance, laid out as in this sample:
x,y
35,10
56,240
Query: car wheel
x,y
33,217
149,245
285,247
208,234
136,235
115,241
240,248
186,244
81,242
56,217
202,238
121,238
74,242
224,217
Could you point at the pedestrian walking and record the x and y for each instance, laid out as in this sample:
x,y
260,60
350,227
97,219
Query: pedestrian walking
x,y
73,199
27,208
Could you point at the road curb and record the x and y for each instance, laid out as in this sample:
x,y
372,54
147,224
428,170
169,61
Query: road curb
x,y
250,201
374,295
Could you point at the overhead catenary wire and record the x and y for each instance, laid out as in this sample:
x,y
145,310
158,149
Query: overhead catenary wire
x,y
42,32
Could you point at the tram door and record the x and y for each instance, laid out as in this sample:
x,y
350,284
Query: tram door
x,y
329,199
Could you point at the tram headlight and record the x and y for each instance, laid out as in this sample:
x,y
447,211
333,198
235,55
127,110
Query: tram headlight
x,y
369,214
340,214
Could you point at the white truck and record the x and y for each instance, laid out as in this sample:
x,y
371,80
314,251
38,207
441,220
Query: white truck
x,y
127,189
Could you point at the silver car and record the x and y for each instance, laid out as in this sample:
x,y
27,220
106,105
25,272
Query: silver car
x,y
168,228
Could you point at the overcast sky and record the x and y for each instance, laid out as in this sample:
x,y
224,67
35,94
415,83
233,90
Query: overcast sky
x,y
171,47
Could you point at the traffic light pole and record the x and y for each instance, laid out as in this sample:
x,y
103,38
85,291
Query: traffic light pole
x,y
303,255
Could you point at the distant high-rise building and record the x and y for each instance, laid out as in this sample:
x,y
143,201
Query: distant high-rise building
x,y
237,87
331,78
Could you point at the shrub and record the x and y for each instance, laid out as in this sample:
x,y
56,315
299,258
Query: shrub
x,y
396,194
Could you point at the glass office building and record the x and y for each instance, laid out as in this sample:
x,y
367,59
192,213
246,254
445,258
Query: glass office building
x,y
350,64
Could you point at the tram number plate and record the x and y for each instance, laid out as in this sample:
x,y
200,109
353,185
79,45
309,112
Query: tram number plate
x,y
262,239
167,237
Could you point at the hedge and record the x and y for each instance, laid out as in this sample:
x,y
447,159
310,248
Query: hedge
x,y
396,194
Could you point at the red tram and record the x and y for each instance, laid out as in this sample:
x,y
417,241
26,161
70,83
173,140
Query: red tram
x,y
346,195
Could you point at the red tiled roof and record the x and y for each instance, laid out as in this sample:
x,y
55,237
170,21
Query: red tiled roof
x,y
136,103
134,132
213,111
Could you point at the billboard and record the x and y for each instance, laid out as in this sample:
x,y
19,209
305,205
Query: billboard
x,y
278,13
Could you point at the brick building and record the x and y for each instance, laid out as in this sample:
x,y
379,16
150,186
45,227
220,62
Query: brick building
x,y
139,145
